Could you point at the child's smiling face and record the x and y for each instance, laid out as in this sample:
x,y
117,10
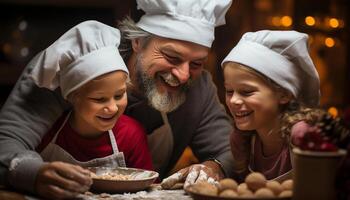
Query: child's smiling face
x,y
99,103
252,101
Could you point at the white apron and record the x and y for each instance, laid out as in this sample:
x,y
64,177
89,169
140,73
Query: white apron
x,y
53,152
280,178
160,143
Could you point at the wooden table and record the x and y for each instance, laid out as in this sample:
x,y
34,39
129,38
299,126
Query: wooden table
x,y
154,193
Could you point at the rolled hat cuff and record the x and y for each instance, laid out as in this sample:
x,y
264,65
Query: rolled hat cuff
x,y
267,62
179,28
87,68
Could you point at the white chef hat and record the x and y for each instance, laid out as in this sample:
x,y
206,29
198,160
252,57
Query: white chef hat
x,y
84,52
283,57
188,20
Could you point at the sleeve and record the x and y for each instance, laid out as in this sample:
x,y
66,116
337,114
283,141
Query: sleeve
x,y
138,154
211,138
26,116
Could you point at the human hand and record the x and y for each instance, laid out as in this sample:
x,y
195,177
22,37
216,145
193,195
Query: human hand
x,y
59,180
208,171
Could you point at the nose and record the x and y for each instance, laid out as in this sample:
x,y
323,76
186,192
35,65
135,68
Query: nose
x,y
182,72
236,99
111,107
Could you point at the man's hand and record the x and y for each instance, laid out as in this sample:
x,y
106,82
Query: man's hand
x,y
58,180
208,171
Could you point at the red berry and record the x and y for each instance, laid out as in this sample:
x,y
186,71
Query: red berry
x,y
327,146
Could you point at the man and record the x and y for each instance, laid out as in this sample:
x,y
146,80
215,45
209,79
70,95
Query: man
x,y
170,94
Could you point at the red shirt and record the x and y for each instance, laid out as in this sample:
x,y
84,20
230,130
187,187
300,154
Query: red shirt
x,y
130,136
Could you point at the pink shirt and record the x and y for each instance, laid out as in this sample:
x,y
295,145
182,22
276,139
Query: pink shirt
x,y
271,166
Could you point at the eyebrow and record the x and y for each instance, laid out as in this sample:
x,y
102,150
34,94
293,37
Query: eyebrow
x,y
102,93
121,90
171,50
241,85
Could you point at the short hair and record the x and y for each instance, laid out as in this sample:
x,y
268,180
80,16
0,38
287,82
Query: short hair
x,y
129,31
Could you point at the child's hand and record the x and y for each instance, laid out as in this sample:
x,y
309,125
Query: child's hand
x,y
58,180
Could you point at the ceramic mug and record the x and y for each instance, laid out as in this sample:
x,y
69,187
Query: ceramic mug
x,y
315,173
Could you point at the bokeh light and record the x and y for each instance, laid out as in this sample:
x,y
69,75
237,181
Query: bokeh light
x,y
333,22
276,21
329,42
286,21
310,21
333,111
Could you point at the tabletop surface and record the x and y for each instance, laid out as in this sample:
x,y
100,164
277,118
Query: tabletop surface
x,y
153,193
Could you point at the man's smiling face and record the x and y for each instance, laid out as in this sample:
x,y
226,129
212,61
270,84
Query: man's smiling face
x,y
165,69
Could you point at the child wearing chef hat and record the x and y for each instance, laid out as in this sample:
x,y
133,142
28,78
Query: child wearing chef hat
x,y
271,83
85,65
180,33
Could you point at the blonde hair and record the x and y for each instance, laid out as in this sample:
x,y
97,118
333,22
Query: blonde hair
x,y
267,80
72,97
293,111
292,116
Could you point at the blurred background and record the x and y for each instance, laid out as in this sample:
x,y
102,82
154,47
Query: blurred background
x,y
29,26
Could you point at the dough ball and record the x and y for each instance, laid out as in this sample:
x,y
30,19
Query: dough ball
x,y
227,183
286,193
275,187
246,193
264,192
287,184
228,193
242,189
255,181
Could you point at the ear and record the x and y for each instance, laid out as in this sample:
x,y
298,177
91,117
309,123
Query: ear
x,y
285,97
136,44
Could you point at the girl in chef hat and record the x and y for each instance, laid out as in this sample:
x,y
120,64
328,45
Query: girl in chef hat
x,y
271,83
86,66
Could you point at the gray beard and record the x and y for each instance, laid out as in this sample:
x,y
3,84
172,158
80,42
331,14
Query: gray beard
x,y
163,102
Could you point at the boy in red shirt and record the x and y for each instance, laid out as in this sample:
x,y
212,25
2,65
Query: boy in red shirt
x,y
86,65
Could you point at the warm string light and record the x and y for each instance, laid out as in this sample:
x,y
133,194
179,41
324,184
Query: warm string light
x,y
333,111
285,21
329,42
276,21
333,22
310,21
328,22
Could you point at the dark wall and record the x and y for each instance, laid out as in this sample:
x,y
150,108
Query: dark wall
x,y
27,29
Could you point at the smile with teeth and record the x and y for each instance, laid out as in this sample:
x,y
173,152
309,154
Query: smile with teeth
x,y
242,114
170,79
106,118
